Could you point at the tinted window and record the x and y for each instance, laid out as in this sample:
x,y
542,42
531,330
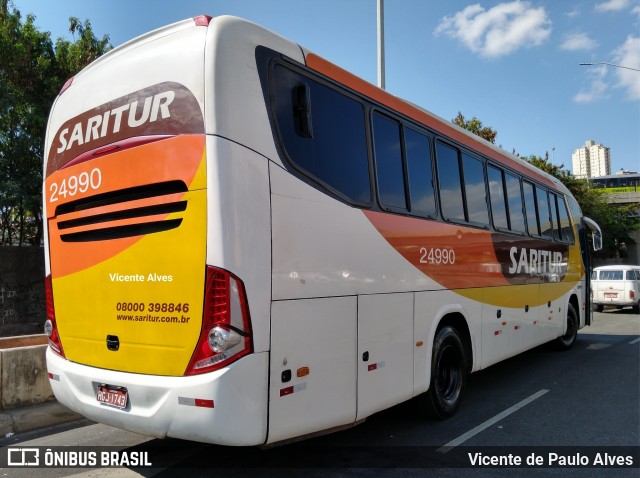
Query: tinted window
x,y
449,180
566,232
496,195
388,154
530,206
419,170
514,197
553,205
543,212
323,132
475,190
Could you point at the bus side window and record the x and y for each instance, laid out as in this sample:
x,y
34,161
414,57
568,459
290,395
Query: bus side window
x,y
555,224
475,190
326,142
497,197
389,164
531,208
543,212
514,198
449,182
566,232
419,171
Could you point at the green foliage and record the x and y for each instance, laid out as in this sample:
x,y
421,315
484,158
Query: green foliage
x,y
72,57
475,126
32,72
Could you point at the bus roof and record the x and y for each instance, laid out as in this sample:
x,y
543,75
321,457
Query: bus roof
x,y
418,113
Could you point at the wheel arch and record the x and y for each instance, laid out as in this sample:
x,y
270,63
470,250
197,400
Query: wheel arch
x,y
444,395
574,301
456,316
459,322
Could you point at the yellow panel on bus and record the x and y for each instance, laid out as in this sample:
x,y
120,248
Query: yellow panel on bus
x,y
128,262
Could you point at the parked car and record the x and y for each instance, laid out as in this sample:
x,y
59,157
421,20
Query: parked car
x,y
617,286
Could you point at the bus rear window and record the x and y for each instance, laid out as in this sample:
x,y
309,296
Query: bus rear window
x,y
323,133
611,275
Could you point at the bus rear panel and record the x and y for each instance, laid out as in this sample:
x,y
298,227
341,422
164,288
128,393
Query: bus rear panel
x,y
148,314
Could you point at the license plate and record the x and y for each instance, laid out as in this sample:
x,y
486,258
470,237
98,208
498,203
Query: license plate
x,y
114,396
610,295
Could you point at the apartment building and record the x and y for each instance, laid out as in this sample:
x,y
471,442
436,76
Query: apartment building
x,y
591,161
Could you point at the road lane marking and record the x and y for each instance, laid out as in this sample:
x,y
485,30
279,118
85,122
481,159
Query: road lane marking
x,y
598,346
492,421
634,341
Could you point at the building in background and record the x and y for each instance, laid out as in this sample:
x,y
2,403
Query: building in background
x,y
622,188
591,161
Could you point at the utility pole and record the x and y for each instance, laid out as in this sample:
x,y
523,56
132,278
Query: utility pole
x,y
381,80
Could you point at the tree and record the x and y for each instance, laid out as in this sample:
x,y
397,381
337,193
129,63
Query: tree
x,y
32,72
73,57
26,58
475,126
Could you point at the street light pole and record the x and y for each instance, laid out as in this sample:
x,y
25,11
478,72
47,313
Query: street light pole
x,y
608,64
381,79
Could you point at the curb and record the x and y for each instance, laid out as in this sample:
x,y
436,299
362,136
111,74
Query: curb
x,y
42,415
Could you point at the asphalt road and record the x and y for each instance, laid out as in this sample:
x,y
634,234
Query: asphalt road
x,y
559,407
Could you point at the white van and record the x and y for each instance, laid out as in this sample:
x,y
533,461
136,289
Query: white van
x,y
616,285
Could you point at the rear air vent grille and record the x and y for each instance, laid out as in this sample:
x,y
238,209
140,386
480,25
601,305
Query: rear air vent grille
x,y
123,195
123,213
120,232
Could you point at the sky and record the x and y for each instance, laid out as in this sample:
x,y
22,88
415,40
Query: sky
x,y
513,64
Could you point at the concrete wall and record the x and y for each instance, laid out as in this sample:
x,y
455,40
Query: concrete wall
x,y
23,372
22,300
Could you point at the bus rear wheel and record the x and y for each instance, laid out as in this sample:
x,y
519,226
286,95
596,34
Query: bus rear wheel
x,y
448,373
568,339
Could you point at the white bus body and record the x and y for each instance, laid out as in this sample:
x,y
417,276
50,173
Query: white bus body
x,y
168,196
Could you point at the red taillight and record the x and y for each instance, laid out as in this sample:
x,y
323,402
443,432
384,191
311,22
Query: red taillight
x,y
66,85
113,147
632,294
226,326
50,326
202,20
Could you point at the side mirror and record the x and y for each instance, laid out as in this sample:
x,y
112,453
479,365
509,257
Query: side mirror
x,y
597,241
595,232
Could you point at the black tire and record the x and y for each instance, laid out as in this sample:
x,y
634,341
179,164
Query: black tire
x,y
636,309
569,338
599,308
448,373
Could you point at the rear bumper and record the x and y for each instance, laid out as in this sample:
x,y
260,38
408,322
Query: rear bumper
x,y
616,302
161,406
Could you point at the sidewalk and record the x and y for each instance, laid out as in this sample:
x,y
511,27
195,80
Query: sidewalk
x,y
42,415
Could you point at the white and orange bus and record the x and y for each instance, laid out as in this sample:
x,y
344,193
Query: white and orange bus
x,y
246,244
